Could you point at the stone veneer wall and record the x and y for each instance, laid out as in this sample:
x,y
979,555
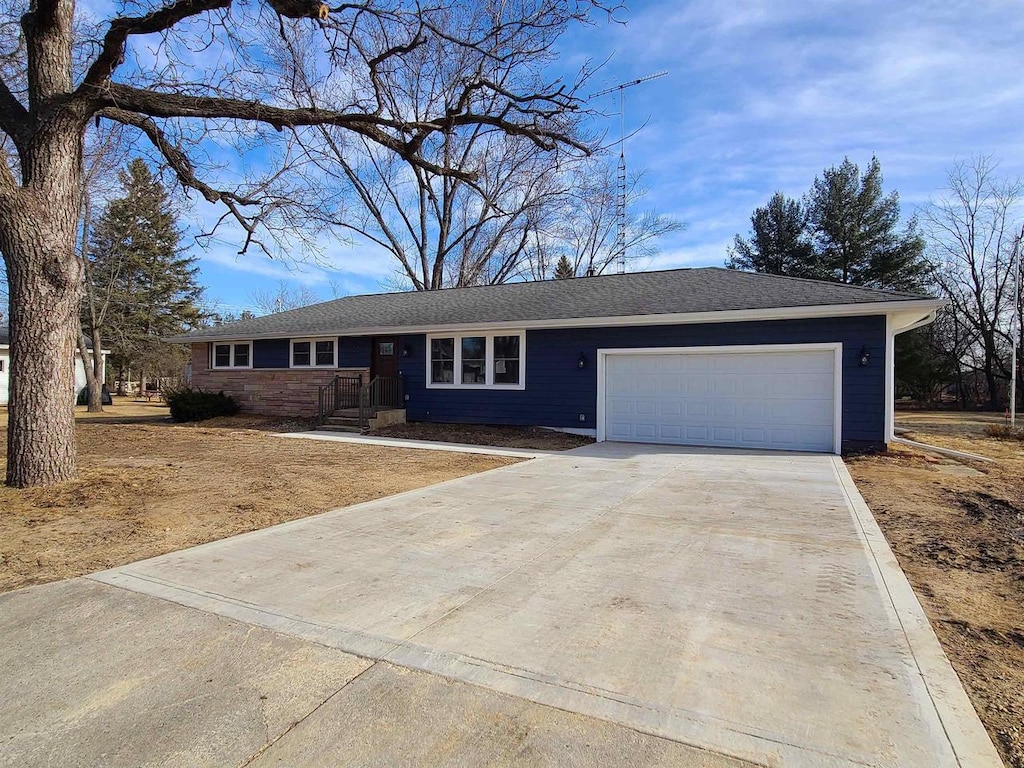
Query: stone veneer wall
x,y
270,391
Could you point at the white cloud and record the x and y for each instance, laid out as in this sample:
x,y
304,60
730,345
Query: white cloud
x,y
256,263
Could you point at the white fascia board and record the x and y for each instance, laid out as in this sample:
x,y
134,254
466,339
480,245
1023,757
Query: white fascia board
x,y
914,307
908,321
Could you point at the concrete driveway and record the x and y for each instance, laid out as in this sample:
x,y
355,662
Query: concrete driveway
x,y
616,604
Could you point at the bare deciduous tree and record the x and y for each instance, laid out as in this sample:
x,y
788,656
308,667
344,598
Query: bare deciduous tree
x,y
105,152
450,229
283,297
585,229
188,76
972,234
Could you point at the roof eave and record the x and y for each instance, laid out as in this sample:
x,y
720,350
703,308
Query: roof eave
x,y
719,316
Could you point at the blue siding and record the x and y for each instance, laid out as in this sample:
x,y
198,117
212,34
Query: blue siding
x,y
557,391
354,351
270,353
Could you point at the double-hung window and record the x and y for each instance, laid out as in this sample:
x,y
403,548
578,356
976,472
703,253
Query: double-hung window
x,y
314,353
473,360
442,361
232,354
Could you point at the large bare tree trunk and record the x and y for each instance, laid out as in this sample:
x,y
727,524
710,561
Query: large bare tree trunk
x,y
43,274
37,238
38,222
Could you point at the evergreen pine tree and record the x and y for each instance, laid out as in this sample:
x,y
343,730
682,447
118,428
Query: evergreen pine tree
x,y
846,230
778,243
137,265
564,269
855,230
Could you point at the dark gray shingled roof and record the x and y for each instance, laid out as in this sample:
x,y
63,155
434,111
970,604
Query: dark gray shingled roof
x,y
678,291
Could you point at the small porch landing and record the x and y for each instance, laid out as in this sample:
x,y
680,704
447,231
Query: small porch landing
x,y
345,404
348,420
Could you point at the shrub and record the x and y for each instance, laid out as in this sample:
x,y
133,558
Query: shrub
x,y
195,405
1004,432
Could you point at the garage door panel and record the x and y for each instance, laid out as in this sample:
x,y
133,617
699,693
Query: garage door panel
x,y
645,408
695,410
671,408
645,430
695,385
757,410
724,436
753,435
774,399
670,433
811,413
619,407
672,385
807,385
698,434
724,410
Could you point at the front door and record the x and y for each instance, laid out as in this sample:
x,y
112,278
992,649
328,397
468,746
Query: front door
x,y
385,357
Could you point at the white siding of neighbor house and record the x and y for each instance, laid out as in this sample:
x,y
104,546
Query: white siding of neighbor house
x,y
80,380
5,376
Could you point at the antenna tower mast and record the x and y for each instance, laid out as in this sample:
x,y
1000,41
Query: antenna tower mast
x,y
620,203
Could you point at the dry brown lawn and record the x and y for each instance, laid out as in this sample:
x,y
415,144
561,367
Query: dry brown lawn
x,y
150,488
959,536
123,409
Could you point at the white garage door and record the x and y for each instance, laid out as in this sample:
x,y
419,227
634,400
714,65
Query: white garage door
x,y
756,398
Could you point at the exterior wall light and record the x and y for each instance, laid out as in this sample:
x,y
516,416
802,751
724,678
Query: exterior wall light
x,y
865,356
581,363
406,350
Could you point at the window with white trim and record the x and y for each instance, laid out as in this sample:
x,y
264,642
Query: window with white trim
x,y
473,360
314,353
232,354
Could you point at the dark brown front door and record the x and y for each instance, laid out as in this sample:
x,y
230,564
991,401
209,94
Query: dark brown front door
x,y
385,356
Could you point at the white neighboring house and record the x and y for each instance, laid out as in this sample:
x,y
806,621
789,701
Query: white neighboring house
x,y
5,367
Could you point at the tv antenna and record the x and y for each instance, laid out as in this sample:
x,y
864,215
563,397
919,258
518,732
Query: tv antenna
x,y
620,204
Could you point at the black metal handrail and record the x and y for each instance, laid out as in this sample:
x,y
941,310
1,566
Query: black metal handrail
x,y
346,391
381,393
339,392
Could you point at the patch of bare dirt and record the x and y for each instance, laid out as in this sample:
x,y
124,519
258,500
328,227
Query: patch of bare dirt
x,y
960,540
534,438
150,488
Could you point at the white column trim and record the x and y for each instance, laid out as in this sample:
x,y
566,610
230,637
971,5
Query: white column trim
x,y
890,380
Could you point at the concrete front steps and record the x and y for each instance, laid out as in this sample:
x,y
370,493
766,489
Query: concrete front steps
x,y
347,419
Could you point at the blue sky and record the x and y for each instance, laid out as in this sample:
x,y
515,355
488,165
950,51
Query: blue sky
x,y
761,96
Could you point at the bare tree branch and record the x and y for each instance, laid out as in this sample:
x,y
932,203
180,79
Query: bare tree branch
x,y
373,127
176,158
13,115
111,54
